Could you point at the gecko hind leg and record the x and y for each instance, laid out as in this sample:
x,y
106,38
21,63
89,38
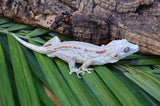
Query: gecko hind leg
x,y
85,65
67,59
73,68
52,41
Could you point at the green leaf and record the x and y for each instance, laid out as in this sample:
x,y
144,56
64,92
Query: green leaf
x,y
100,90
9,24
145,81
32,62
6,95
124,95
3,20
138,56
56,83
41,93
24,83
37,32
62,37
156,72
17,27
38,40
143,61
106,85
76,85
3,40
143,97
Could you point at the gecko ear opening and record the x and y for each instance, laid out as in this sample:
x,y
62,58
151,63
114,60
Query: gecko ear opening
x,y
52,41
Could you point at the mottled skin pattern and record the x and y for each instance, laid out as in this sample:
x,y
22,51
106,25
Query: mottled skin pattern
x,y
80,52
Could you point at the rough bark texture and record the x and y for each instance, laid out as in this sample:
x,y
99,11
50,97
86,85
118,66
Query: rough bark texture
x,y
96,21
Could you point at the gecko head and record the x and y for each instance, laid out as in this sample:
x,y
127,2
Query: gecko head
x,y
121,49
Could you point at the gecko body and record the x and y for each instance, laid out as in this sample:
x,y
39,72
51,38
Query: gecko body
x,y
80,52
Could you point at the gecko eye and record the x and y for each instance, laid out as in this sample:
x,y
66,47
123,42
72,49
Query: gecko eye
x,y
126,49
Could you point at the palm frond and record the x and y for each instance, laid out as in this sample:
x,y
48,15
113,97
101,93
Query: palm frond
x,y
134,80
24,82
6,95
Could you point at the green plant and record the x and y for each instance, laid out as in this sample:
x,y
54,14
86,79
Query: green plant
x,y
134,80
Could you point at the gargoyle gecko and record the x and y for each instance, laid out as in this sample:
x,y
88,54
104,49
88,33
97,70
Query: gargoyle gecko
x,y
80,52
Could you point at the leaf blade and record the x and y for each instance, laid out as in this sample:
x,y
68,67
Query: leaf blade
x,y
6,95
22,74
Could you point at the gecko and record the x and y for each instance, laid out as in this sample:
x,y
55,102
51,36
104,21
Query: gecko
x,y
82,52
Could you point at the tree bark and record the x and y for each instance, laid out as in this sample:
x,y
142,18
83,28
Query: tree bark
x,y
95,21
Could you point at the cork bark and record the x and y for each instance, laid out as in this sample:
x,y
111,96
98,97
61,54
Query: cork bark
x,y
95,21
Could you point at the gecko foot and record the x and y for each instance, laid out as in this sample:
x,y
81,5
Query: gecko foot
x,y
87,70
73,70
78,71
78,74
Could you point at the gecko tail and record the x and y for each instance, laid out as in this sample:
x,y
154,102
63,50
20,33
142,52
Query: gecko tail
x,y
38,49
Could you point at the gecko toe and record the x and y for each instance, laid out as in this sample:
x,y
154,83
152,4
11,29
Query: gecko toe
x,y
87,70
83,72
70,72
78,75
77,71
90,68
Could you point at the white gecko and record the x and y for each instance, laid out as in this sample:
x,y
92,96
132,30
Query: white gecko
x,y
80,52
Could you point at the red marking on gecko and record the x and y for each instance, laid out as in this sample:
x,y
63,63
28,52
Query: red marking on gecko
x,y
76,47
61,47
117,55
85,50
49,50
103,51
80,54
100,52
